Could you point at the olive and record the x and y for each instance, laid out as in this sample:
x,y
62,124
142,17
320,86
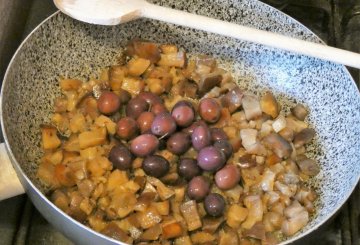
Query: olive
x,y
190,129
179,143
121,157
145,120
108,103
158,108
150,98
163,124
144,145
227,177
127,128
198,188
225,147
183,112
124,96
135,107
188,168
201,137
211,159
209,110
214,204
218,134
155,166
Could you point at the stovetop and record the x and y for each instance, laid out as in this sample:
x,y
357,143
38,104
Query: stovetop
x,y
337,22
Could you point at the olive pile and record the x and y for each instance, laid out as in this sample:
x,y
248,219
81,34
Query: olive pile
x,y
148,124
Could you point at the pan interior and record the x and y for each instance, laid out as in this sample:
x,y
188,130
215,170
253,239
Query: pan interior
x,y
64,47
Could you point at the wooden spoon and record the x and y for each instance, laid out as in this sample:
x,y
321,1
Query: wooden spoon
x,y
113,12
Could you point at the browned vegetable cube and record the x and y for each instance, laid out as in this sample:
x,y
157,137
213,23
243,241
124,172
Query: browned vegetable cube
x,y
162,207
184,240
50,140
173,59
152,233
92,138
133,85
172,230
202,237
149,217
236,215
137,66
269,105
70,84
190,213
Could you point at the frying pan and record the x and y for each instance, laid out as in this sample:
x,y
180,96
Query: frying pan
x,y
61,46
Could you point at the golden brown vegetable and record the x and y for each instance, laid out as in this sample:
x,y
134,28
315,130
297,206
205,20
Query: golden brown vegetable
x,y
50,140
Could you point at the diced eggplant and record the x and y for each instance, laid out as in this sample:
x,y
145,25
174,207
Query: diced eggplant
x,y
300,112
307,166
232,99
304,137
146,50
251,106
279,145
269,105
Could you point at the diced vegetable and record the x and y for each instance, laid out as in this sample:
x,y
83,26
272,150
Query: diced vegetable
x,y
137,66
251,106
269,105
256,210
190,213
149,217
173,59
201,237
304,137
300,112
50,140
92,138
172,230
278,144
70,84
236,215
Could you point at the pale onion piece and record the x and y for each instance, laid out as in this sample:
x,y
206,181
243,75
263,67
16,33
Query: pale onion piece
x,y
291,178
256,211
272,221
248,137
234,193
295,125
213,93
257,149
295,224
284,189
238,116
232,99
173,59
251,106
267,182
236,215
266,128
279,123
277,168
273,197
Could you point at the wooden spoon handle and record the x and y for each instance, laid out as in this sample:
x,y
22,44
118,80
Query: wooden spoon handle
x,y
252,35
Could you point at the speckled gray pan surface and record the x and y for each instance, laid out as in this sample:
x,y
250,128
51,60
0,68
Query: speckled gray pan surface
x,y
64,47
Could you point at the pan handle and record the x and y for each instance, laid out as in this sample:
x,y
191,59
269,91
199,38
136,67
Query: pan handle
x,y
9,182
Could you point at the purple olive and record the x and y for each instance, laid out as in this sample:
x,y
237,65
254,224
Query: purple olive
x,y
211,159
214,204
121,157
179,143
145,120
218,134
108,103
127,128
225,147
158,108
198,188
150,98
144,145
135,107
227,177
190,129
188,168
209,110
156,166
183,112
201,137
163,124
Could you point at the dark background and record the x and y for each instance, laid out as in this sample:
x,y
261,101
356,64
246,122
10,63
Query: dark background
x,y
337,22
